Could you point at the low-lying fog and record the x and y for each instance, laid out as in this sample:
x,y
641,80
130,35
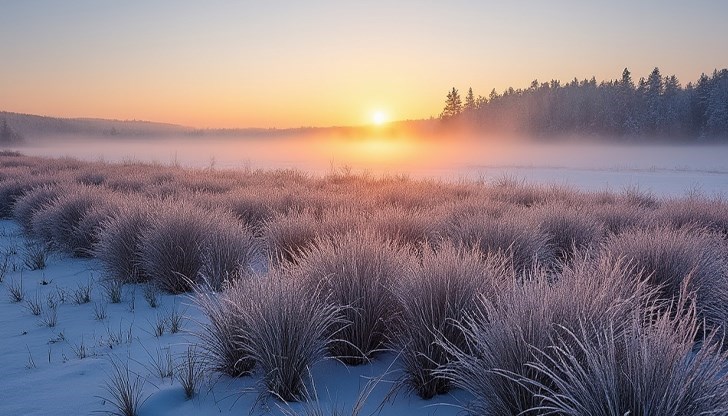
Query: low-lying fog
x,y
664,169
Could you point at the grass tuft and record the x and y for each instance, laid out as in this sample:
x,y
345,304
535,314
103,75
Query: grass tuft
x,y
222,334
357,272
56,221
434,297
503,333
190,372
173,250
511,234
16,290
124,390
569,229
35,255
287,332
652,368
674,260
119,245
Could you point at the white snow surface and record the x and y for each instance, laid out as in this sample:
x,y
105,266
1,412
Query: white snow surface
x,y
62,383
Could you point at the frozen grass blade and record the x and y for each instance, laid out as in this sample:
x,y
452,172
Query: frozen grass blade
x,y
502,334
124,390
434,298
357,272
653,368
672,258
287,332
190,372
222,334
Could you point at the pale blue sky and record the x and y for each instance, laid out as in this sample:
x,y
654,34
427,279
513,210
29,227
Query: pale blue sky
x,y
276,63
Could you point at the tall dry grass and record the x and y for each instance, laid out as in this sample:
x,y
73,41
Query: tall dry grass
x,y
675,260
512,234
222,333
652,368
501,336
120,240
434,297
534,299
357,271
174,249
287,333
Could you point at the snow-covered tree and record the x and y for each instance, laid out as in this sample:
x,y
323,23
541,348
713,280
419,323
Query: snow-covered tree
x,y
658,105
716,117
469,101
626,82
7,135
453,105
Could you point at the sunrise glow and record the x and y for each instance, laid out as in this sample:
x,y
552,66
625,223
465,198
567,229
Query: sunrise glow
x,y
265,64
379,118
300,196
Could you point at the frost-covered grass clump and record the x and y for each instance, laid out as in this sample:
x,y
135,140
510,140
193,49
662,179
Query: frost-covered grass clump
x,y
524,298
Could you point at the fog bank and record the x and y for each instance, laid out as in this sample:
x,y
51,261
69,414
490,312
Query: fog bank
x,y
664,168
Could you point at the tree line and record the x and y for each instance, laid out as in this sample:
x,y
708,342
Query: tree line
x,y
7,134
654,106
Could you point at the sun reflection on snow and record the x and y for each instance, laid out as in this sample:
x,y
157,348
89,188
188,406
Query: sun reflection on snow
x,y
373,150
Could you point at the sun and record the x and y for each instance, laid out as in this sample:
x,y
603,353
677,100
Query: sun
x,y
379,118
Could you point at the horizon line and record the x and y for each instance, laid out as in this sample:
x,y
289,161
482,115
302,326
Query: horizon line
x,y
302,127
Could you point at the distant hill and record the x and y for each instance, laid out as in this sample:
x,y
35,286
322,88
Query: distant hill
x,y
33,126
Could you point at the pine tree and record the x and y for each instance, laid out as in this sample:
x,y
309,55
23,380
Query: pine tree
x,y
626,81
699,104
469,101
654,105
655,83
672,106
453,105
717,109
652,95
626,104
6,135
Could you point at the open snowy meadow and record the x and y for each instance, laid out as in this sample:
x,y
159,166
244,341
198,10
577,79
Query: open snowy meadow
x,y
379,208
59,350
137,288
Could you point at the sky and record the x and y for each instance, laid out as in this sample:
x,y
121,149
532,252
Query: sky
x,y
321,63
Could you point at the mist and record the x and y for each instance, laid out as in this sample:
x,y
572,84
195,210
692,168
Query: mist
x,y
666,169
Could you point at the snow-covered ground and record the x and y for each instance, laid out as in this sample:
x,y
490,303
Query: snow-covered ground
x,y
62,370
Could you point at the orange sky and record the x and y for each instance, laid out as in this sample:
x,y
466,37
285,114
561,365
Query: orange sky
x,y
320,63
